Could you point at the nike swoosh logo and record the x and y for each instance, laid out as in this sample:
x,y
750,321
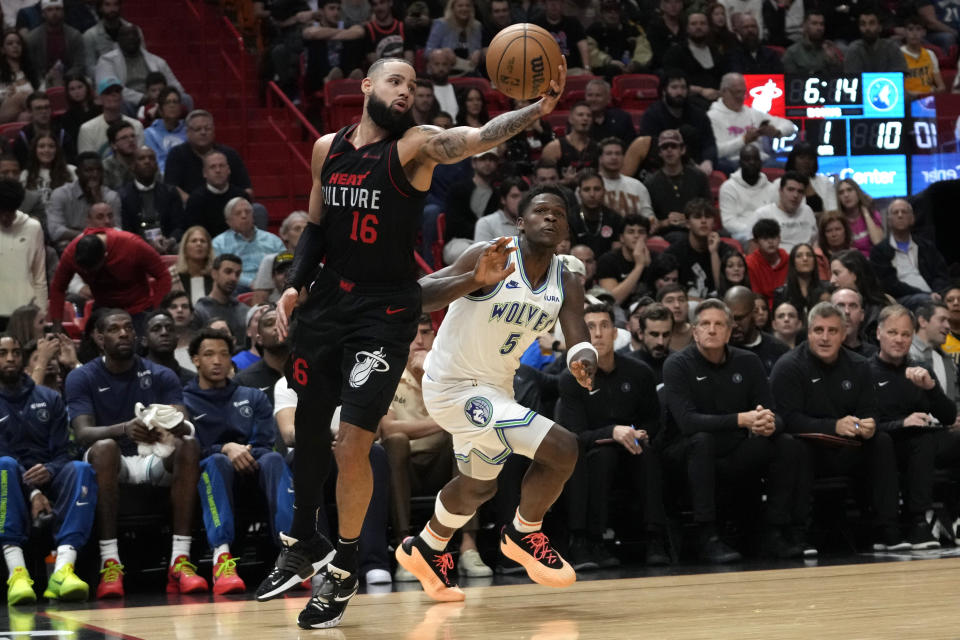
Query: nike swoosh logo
x,y
513,285
199,416
593,391
334,155
701,378
4,418
289,490
102,389
883,384
393,310
815,380
82,504
261,389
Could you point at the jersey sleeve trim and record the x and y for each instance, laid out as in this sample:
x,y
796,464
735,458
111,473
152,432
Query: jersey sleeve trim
x,y
394,157
486,297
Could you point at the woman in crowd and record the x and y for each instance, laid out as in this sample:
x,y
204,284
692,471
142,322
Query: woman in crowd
x,y
47,167
191,273
720,35
865,223
17,77
459,31
761,313
833,236
803,286
850,270
168,130
80,105
26,323
472,110
733,272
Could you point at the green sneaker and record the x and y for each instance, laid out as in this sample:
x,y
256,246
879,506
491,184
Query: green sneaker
x,y
20,587
65,585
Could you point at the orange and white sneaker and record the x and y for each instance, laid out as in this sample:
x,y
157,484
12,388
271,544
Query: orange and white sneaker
x,y
433,570
111,580
225,578
541,561
182,577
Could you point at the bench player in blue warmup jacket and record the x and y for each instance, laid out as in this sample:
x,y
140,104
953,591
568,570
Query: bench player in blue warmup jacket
x,y
236,431
35,456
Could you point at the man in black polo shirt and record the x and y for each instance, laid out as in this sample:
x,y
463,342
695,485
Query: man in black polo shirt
x,y
653,333
822,390
720,424
264,373
614,423
745,334
912,409
700,253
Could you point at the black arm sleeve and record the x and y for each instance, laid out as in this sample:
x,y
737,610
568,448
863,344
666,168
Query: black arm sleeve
x,y
310,250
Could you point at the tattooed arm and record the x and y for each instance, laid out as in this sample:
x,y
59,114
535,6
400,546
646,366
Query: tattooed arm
x,y
424,147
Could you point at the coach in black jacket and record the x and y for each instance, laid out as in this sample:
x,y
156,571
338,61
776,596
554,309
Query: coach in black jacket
x,y
720,422
826,390
927,262
914,410
148,203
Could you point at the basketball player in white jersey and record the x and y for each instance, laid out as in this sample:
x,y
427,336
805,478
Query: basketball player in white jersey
x,y
468,390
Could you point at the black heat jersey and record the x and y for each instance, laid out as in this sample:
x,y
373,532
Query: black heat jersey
x,y
372,213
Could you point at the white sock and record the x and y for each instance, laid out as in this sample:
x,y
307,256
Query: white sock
x,y
525,526
109,551
13,555
65,555
434,540
220,550
181,547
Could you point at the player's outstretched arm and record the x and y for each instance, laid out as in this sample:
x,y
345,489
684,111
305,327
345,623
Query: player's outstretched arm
x,y
581,355
482,265
446,146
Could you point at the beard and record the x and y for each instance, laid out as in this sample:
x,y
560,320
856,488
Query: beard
x,y
396,124
674,102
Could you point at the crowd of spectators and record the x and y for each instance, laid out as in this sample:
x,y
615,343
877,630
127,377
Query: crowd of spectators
x,y
754,332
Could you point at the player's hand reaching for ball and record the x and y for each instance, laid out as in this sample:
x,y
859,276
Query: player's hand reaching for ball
x,y
492,264
550,98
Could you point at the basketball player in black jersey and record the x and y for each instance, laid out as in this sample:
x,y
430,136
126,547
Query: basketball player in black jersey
x,y
358,313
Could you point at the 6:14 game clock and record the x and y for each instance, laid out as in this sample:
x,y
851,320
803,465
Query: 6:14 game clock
x,y
815,91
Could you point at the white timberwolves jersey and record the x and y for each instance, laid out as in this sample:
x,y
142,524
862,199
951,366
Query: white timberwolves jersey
x,y
483,337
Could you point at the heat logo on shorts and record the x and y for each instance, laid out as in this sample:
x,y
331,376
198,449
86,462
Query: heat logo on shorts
x,y
478,410
367,363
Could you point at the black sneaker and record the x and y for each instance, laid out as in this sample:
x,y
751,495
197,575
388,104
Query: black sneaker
x,y
299,560
605,559
325,608
533,550
433,569
776,545
921,537
715,551
798,536
655,555
891,540
581,556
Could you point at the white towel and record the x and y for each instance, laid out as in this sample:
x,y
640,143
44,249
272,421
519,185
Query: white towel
x,y
163,417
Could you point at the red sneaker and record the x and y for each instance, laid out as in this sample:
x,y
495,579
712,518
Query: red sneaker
x,y
182,577
111,580
225,578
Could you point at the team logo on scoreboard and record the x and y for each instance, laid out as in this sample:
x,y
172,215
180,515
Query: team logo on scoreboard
x,y
764,95
882,93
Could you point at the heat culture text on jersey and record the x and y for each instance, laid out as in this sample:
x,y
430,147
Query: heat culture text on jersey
x,y
347,190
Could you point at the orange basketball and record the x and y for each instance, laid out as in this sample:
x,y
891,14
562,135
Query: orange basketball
x,y
522,59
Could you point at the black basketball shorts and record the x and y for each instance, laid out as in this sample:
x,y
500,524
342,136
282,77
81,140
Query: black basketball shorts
x,y
350,347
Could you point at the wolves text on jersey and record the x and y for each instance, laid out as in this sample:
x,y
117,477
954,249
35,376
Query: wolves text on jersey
x,y
523,314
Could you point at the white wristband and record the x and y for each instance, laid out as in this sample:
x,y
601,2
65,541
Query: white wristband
x,y
580,346
33,494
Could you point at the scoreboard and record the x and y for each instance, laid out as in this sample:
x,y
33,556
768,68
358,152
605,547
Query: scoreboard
x,y
860,125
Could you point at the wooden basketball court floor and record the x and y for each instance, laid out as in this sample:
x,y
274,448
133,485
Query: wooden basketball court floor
x,y
916,599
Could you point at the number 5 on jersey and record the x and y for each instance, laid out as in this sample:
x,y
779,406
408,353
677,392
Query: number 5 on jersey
x,y
509,344
366,226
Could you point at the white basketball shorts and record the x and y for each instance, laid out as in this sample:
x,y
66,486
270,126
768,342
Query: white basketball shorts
x,y
486,423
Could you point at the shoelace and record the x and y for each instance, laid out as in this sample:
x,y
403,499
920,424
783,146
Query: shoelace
x,y
540,546
443,564
112,572
185,567
226,567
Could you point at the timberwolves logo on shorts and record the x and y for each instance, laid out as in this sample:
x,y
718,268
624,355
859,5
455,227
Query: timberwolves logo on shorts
x,y
367,363
478,411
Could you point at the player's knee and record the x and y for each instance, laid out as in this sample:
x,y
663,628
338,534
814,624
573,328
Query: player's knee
x,y
479,491
8,464
561,451
80,469
396,443
216,462
104,456
187,451
270,460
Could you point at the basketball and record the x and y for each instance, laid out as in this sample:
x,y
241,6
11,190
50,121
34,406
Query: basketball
x,y
522,59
